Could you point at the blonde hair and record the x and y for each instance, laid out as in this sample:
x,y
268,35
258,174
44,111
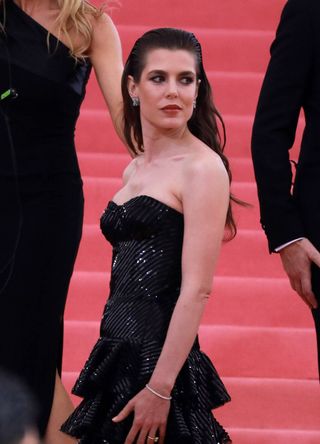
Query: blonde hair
x,y
75,16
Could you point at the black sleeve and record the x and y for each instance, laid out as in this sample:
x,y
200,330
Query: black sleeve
x,y
282,96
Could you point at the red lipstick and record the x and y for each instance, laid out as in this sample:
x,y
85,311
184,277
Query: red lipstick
x,y
171,108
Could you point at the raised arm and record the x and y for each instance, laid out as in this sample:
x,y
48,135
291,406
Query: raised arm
x,y
106,58
283,94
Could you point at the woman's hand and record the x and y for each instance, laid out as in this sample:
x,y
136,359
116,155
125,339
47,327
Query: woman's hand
x,y
150,418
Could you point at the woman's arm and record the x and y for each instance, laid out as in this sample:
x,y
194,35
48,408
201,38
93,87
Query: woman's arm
x,y
205,198
106,58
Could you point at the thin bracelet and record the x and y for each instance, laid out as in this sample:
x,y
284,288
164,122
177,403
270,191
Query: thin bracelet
x,y
167,398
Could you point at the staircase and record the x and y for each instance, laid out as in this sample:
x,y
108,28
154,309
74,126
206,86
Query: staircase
x,y
255,329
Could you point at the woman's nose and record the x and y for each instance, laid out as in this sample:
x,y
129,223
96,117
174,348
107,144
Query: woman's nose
x,y
172,90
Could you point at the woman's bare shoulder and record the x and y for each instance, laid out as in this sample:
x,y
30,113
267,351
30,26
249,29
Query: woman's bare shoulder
x,y
131,168
204,162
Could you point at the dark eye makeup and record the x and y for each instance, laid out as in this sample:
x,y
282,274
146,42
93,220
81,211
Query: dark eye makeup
x,y
186,79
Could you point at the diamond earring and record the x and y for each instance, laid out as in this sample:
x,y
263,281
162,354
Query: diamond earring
x,y
135,101
194,104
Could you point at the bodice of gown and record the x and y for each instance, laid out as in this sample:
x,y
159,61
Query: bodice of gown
x,y
146,236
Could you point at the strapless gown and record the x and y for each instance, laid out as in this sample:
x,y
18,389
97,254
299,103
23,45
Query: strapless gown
x,y
146,236
41,222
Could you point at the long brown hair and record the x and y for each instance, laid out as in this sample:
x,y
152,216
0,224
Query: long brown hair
x,y
204,121
75,15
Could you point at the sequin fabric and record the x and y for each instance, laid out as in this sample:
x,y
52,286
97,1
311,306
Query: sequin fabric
x,y
147,237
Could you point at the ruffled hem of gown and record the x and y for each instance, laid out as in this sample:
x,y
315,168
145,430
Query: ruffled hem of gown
x,y
118,369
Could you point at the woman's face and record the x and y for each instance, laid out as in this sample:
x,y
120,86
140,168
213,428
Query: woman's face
x,y
167,88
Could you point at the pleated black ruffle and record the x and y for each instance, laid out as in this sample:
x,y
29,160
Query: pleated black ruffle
x,y
133,330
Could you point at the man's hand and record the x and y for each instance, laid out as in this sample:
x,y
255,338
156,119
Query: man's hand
x,y
297,259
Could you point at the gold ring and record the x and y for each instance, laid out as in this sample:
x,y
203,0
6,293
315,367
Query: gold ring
x,y
155,439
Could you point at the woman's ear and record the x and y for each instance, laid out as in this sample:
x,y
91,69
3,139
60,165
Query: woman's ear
x,y
197,89
132,87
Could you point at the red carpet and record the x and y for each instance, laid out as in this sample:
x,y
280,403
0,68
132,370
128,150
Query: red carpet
x,y
255,329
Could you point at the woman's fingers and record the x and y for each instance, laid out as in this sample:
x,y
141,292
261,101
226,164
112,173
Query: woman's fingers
x,y
152,436
150,418
148,434
124,412
145,435
131,437
162,433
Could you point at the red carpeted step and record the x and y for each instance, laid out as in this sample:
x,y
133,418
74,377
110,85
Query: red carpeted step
x,y
68,380
255,302
245,14
236,92
242,169
253,259
267,436
246,217
249,245
98,192
244,301
260,352
87,295
79,339
113,164
95,133
271,403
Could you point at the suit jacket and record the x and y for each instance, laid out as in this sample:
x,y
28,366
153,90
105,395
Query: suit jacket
x,y
292,82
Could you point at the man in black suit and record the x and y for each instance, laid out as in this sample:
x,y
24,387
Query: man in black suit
x,y
290,215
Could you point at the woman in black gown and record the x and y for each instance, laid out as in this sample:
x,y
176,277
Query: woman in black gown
x,y
146,379
41,189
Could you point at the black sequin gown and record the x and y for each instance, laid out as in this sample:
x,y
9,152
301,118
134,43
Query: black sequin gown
x,y
147,237
41,222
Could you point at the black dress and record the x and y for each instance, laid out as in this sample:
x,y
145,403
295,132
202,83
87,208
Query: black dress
x,y
41,198
147,237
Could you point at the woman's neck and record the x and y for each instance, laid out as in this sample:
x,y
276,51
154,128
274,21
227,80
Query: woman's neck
x,y
162,143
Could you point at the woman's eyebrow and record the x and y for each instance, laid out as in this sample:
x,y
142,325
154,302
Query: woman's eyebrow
x,y
161,72
187,73
157,71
